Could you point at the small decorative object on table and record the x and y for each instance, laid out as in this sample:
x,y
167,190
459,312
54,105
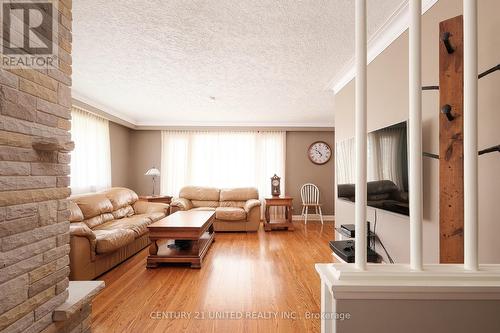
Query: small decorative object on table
x,y
279,202
275,186
153,172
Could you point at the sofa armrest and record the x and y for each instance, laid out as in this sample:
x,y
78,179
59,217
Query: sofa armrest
x,y
144,207
182,204
80,229
251,204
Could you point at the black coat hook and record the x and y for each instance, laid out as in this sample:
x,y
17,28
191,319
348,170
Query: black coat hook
x,y
446,40
489,71
446,109
490,150
481,152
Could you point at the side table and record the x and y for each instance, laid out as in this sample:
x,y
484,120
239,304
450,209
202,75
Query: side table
x,y
166,199
279,224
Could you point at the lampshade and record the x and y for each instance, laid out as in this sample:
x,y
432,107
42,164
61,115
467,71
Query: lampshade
x,y
152,172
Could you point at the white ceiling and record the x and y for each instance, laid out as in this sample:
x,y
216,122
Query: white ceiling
x,y
266,62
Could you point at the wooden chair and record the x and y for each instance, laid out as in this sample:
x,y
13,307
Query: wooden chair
x,y
310,198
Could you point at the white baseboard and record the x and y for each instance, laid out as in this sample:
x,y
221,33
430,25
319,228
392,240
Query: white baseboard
x,y
314,217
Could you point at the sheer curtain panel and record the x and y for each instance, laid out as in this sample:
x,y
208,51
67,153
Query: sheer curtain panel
x,y
91,159
222,159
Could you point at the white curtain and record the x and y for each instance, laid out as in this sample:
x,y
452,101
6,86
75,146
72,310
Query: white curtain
x,y
385,155
91,158
222,159
346,157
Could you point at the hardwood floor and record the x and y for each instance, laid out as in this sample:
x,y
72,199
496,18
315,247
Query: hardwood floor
x,y
256,274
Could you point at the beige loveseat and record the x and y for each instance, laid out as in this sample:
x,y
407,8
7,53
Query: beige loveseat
x,y
236,209
107,228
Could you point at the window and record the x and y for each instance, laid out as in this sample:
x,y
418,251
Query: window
x,y
221,159
90,160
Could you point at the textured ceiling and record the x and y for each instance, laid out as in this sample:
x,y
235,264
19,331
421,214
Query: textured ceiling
x,y
215,62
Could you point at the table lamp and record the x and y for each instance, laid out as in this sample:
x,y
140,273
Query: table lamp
x,y
153,172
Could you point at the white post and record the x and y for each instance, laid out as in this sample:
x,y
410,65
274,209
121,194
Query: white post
x,y
415,129
470,137
360,206
327,324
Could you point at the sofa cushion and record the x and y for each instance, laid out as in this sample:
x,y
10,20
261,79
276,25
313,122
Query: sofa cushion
x,y
239,194
137,223
209,209
75,213
240,204
120,197
98,220
200,193
111,240
381,187
377,197
204,203
155,216
126,211
230,213
346,190
93,204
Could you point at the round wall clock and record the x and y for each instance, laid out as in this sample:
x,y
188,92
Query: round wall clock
x,y
319,152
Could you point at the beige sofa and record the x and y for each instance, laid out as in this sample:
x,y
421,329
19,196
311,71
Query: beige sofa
x,y
236,209
107,228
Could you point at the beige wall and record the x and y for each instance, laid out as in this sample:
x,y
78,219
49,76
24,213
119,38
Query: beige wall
x,y
388,104
132,154
119,137
145,150
300,170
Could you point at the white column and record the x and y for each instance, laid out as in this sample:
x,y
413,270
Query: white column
x,y
415,129
470,136
327,323
360,134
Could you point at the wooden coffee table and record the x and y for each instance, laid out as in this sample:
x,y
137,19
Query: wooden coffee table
x,y
195,228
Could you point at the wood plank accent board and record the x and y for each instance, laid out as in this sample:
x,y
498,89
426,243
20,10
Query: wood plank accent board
x,y
451,150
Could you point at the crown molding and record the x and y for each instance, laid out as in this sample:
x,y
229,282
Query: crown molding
x,y
119,118
395,25
238,126
110,114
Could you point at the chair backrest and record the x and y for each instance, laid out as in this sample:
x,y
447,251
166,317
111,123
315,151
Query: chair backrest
x,y
309,194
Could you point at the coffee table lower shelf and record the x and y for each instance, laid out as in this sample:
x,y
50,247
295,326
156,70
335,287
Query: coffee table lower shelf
x,y
193,255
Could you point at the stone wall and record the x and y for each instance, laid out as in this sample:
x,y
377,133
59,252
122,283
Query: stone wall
x,y
34,180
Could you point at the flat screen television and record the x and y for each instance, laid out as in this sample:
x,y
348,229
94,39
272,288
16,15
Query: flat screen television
x,y
387,165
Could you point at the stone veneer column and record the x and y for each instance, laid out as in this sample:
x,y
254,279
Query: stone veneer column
x,y
34,184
